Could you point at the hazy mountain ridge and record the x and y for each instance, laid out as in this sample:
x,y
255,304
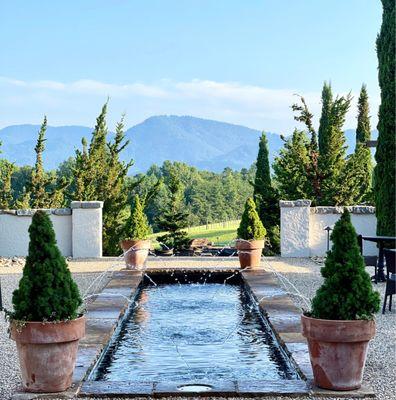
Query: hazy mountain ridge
x,y
203,143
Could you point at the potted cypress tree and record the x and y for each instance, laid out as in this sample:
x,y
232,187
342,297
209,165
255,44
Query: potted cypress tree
x,y
45,323
341,322
136,246
251,234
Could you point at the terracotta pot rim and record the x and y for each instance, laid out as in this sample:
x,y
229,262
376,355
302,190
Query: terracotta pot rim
x,y
36,332
249,241
337,331
64,321
249,244
344,321
135,240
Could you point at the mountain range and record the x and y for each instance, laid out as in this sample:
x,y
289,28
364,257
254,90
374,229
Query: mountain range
x,y
205,144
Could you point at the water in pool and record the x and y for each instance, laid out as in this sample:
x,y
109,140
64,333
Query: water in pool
x,y
183,332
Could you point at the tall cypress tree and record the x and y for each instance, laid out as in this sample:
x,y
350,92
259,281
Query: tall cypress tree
x,y
363,130
357,171
331,160
324,132
266,198
384,180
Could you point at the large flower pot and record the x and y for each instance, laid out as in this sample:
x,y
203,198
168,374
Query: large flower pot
x,y
338,351
47,353
249,252
135,252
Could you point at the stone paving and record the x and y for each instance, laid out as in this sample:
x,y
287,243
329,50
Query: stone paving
x,y
274,301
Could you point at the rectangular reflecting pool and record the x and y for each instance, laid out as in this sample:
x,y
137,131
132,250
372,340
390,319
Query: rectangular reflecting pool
x,y
187,327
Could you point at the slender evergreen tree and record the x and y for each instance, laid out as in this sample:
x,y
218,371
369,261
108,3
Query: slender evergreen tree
x,y
266,198
44,190
363,130
325,122
331,160
39,181
385,176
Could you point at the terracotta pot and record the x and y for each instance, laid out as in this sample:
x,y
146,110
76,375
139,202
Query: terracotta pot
x,y
249,252
338,351
137,254
47,353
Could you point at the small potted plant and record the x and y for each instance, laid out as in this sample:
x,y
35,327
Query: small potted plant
x,y
45,322
341,322
251,234
136,246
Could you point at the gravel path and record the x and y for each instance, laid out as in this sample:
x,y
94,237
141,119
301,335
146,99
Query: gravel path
x,y
304,274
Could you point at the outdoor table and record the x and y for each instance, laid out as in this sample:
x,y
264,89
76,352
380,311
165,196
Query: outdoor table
x,y
381,241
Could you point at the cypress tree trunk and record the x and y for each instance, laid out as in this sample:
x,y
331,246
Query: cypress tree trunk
x,y
266,198
384,180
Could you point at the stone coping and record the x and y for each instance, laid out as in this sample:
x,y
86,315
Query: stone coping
x,y
295,203
86,204
340,210
29,212
104,315
327,209
55,211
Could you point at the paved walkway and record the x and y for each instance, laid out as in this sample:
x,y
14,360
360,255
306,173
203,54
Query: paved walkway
x,y
302,275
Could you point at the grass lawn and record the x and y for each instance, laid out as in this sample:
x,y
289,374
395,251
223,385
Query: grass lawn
x,y
220,233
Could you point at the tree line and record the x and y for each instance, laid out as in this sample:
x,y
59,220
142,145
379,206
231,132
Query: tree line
x,y
312,165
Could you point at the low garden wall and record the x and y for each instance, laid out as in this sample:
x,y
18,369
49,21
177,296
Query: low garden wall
x,y
78,230
303,231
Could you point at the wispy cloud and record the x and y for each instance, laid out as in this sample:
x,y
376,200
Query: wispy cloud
x,y
78,102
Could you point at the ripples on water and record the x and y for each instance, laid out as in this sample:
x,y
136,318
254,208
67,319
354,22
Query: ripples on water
x,y
193,331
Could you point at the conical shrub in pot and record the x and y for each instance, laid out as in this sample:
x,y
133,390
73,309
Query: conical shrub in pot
x,y
341,322
45,322
251,234
136,246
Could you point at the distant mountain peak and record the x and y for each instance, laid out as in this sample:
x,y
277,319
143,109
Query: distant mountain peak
x,y
203,143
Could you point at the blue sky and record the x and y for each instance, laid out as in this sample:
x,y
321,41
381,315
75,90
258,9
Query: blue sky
x,y
236,61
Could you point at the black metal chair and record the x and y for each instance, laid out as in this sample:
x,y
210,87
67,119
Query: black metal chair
x,y
390,288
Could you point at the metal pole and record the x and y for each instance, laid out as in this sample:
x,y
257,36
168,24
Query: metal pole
x,y
328,229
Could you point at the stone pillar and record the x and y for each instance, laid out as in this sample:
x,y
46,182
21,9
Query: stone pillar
x,y
87,229
295,228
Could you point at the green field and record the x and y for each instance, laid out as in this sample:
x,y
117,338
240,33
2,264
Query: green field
x,y
220,233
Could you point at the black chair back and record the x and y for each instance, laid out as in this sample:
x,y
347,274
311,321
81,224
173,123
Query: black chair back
x,y
390,259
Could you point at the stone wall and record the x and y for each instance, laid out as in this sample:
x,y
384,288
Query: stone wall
x,y
78,230
302,227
